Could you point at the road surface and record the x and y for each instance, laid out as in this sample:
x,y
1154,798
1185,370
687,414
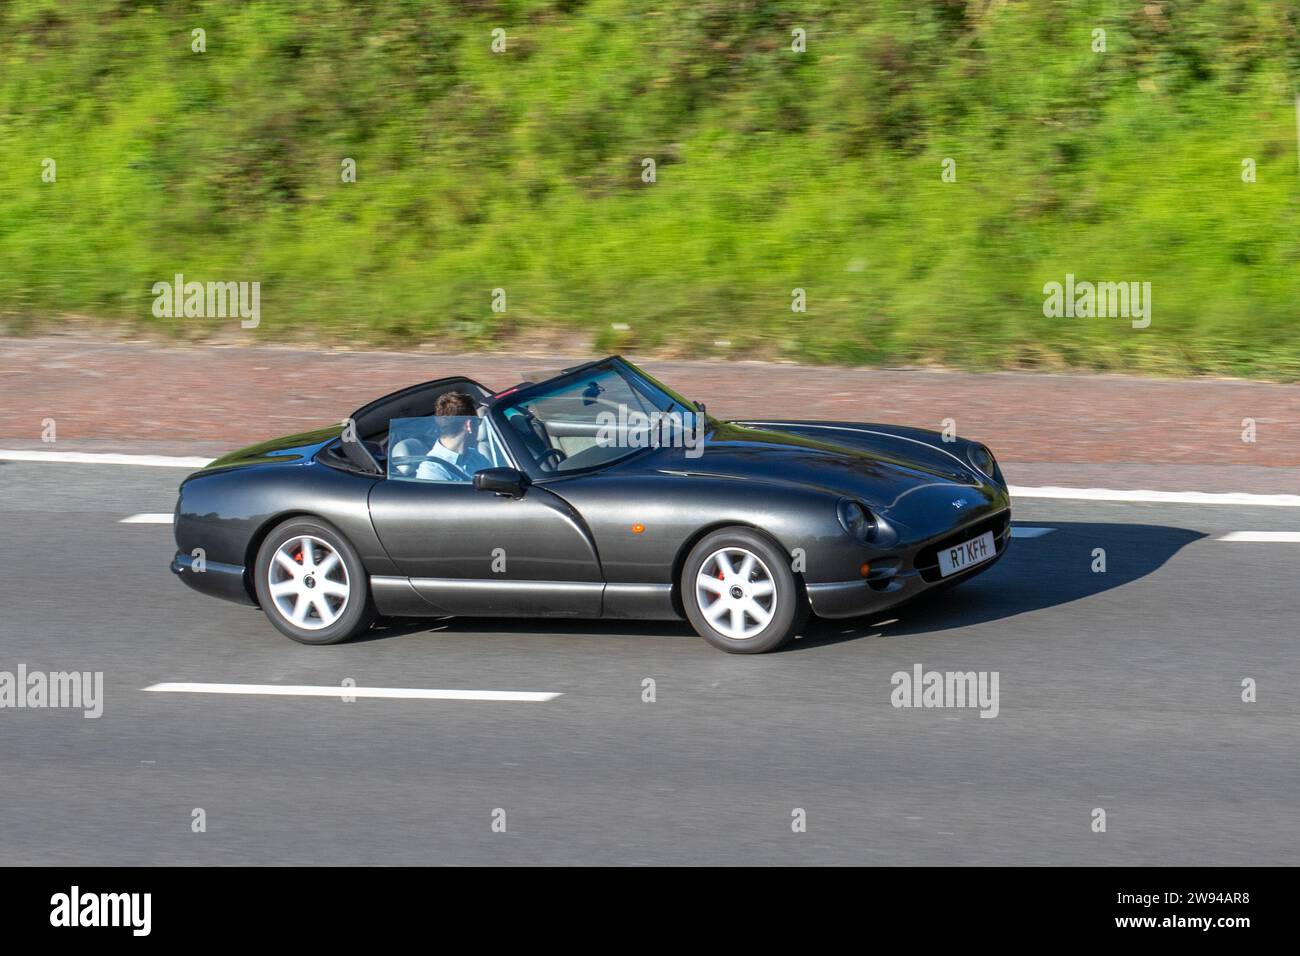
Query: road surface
x,y
1119,690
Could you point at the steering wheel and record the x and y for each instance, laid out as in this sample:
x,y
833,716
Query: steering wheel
x,y
546,456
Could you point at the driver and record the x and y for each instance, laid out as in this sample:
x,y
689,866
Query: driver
x,y
456,420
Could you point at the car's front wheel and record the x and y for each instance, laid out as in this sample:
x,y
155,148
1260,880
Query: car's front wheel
x,y
740,594
311,583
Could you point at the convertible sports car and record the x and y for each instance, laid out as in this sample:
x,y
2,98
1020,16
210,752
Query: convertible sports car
x,y
594,492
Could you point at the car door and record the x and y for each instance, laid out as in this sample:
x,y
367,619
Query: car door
x,y
473,552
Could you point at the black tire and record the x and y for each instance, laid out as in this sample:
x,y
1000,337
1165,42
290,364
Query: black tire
x,y
787,611
355,612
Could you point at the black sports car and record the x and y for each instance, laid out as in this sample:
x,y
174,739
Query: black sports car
x,y
593,492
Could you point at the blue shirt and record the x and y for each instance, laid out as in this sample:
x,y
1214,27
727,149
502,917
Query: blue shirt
x,y
469,461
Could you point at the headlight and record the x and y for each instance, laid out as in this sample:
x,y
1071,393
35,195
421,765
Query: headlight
x,y
981,459
856,519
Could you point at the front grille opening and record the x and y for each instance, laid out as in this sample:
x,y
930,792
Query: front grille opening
x,y
927,559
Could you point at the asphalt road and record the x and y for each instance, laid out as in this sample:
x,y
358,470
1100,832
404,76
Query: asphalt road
x,y
1119,690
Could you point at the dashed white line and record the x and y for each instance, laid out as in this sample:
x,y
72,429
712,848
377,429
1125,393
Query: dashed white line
x,y
148,518
388,693
1158,497
1017,491
95,458
1269,537
1021,532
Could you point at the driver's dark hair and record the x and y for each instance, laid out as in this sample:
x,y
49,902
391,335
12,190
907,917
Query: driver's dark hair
x,y
453,405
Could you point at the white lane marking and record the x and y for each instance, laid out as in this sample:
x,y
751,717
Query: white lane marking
x,y
1018,532
1158,497
1275,537
148,518
94,458
1019,491
391,693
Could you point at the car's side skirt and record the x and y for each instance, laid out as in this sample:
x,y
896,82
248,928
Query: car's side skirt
x,y
486,598
417,597
643,602
395,597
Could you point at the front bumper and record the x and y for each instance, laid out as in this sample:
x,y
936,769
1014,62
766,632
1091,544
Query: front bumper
x,y
226,581
916,573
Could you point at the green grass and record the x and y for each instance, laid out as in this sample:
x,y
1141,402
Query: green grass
x,y
776,170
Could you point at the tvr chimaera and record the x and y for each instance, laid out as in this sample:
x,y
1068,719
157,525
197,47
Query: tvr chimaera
x,y
595,492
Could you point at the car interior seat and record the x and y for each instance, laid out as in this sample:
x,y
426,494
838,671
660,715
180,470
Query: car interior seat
x,y
408,447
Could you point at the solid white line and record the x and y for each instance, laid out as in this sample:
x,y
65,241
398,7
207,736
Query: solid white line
x,y
1159,497
89,458
1276,537
147,518
392,693
1018,532
1019,491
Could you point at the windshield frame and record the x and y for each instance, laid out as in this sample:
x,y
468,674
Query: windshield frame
x,y
511,397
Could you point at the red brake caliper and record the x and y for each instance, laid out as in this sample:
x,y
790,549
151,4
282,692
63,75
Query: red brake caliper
x,y
718,597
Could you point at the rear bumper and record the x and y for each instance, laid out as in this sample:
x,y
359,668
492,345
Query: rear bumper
x,y
219,580
918,574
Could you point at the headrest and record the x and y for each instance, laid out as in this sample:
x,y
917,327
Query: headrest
x,y
407,447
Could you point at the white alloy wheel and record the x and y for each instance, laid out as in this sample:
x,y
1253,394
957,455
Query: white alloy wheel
x,y
308,582
735,593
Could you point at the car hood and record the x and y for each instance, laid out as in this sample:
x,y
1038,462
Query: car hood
x,y
902,478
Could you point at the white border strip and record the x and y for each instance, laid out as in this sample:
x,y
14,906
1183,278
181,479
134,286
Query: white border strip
x,y
148,518
387,693
1020,531
1018,491
1274,537
1158,497
92,458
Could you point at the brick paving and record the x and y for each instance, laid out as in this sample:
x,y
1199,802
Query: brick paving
x,y
1098,430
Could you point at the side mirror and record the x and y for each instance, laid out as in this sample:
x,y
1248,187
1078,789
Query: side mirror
x,y
502,481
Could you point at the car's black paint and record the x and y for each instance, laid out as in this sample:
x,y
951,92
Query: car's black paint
x,y
456,531
607,542
226,510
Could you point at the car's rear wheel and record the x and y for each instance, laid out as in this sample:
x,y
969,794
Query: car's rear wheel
x,y
740,594
311,583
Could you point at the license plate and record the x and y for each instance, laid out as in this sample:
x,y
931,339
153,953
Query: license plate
x,y
952,560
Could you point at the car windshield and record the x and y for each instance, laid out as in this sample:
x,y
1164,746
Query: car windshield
x,y
442,448
599,417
